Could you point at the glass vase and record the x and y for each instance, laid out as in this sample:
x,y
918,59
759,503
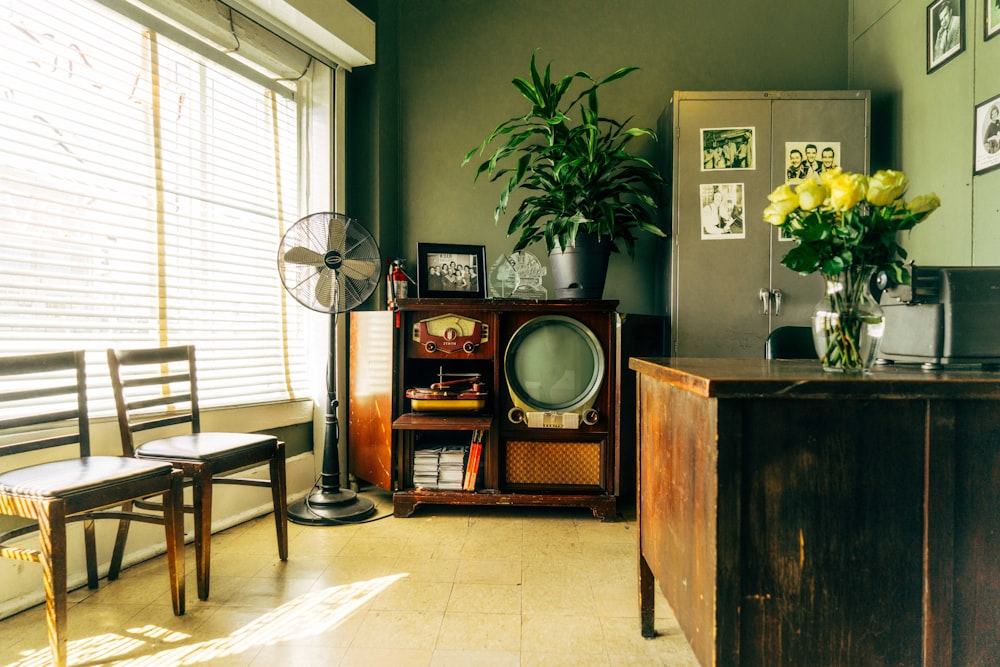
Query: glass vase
x,y
847,321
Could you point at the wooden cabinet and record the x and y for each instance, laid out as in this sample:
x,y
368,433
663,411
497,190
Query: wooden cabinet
x,y
541,446
718,281
798,517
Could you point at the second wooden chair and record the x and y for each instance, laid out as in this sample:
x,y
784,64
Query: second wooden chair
x,y
156,389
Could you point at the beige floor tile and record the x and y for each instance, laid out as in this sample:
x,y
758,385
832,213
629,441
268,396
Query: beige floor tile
x,y
562,633
562,659
475,658
398,630
557,598
386,657
488,572
407,595
427,568
485,598
489,632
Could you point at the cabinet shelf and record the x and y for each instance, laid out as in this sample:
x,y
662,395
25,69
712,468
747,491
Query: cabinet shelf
x,y
429,421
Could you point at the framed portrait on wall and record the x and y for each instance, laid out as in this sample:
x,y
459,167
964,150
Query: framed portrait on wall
x,y
987,137
448,270
945,32
991,14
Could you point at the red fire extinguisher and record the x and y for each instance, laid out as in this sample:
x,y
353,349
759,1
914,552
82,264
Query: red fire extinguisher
x,y
397,282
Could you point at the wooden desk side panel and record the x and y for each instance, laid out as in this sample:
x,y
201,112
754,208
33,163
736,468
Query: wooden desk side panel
x,y
677,492
976,616
833,532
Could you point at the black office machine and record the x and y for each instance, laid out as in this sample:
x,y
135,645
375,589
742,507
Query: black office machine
x,y
944,316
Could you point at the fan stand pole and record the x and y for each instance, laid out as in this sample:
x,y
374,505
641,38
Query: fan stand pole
x,y
329,505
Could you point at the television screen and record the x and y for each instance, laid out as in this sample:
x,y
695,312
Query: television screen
x,y
554,363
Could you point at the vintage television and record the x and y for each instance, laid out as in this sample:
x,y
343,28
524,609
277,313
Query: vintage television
x,y
554,366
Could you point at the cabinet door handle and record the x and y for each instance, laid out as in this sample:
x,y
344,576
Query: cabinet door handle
x,y
765,296
776,295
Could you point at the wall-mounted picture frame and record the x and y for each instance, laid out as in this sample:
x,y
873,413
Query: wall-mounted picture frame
x,y
945,32
991,14
987,137
451,271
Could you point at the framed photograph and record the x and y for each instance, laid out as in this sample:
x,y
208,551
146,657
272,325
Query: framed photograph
x,y
945,31
991,11
722,208
447,270
987,138
725,148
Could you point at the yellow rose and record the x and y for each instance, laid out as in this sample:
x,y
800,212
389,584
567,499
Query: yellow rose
x,y
774,216
847,189
783,200
828,175
811,194
924,204
885,187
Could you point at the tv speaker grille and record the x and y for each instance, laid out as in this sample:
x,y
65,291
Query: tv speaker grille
x,y
567,463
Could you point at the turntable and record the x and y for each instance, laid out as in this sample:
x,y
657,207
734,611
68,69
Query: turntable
x,y
465,392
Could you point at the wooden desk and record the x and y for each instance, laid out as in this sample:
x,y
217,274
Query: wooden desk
x,y
797,517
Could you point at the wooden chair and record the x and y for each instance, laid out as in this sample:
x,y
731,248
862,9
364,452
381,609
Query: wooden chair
x,y
157,388
43,406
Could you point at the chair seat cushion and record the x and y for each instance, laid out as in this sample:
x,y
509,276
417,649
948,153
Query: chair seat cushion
x,y
204,446
58,479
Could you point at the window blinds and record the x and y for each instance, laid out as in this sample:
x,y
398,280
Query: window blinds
x,y
143,195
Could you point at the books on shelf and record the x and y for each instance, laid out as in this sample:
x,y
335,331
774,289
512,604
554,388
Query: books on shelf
x,y
472,466
448,467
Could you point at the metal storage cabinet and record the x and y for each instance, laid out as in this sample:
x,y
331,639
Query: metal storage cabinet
x,y
724,291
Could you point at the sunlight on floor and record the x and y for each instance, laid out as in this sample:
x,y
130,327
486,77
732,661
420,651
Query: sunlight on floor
x,y
309,614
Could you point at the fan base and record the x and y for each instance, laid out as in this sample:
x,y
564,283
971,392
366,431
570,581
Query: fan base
x,y
330,508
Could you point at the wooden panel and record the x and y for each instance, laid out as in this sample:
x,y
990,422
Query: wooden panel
x,y
370,371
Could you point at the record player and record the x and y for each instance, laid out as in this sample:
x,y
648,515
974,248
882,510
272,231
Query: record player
x,y
464,392
944,316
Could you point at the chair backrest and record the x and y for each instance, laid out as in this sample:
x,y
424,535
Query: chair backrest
x,y
154,388
43,403
790,342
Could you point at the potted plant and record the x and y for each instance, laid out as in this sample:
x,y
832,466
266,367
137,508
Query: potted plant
x,y
585,191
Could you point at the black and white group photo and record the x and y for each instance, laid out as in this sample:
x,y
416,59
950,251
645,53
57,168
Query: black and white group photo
x,y
727,148
449,272
804,159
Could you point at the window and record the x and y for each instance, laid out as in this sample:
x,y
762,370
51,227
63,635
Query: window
x,y
145,187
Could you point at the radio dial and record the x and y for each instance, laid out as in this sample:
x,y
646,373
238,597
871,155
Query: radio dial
x,y
590,417
515,415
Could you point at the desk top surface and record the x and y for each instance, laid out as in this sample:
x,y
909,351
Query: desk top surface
x,y
786,378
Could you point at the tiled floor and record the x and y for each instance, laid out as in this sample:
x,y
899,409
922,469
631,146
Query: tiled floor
x,y
447,586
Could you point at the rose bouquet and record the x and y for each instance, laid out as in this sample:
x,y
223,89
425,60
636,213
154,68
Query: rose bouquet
x,y
846,225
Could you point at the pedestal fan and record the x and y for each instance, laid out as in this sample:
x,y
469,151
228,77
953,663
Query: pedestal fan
x,y
329,263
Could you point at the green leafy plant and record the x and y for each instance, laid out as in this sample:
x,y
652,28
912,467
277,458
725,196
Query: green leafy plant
x,y
575,165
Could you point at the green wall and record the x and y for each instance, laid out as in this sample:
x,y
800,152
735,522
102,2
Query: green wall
x,y
926,126
442,82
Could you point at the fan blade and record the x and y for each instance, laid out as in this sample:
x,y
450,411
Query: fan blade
x,y
359,269
324,288
335,238
300,255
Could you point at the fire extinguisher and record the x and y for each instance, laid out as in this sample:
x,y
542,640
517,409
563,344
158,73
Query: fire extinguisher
x,y
397,282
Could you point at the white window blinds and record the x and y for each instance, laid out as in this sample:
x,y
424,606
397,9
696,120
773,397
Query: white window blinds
x,y
144,191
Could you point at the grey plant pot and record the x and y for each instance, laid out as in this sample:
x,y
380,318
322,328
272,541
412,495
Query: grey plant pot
x,y
580,271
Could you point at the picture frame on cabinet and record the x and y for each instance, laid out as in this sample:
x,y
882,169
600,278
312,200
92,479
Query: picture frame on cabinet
x,y
728,148
451,271
991,15
987,136
945,32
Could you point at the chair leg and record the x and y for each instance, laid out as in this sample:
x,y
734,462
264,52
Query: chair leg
x,y
118,553
90,551
52,526
279,494
202,501
173,524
